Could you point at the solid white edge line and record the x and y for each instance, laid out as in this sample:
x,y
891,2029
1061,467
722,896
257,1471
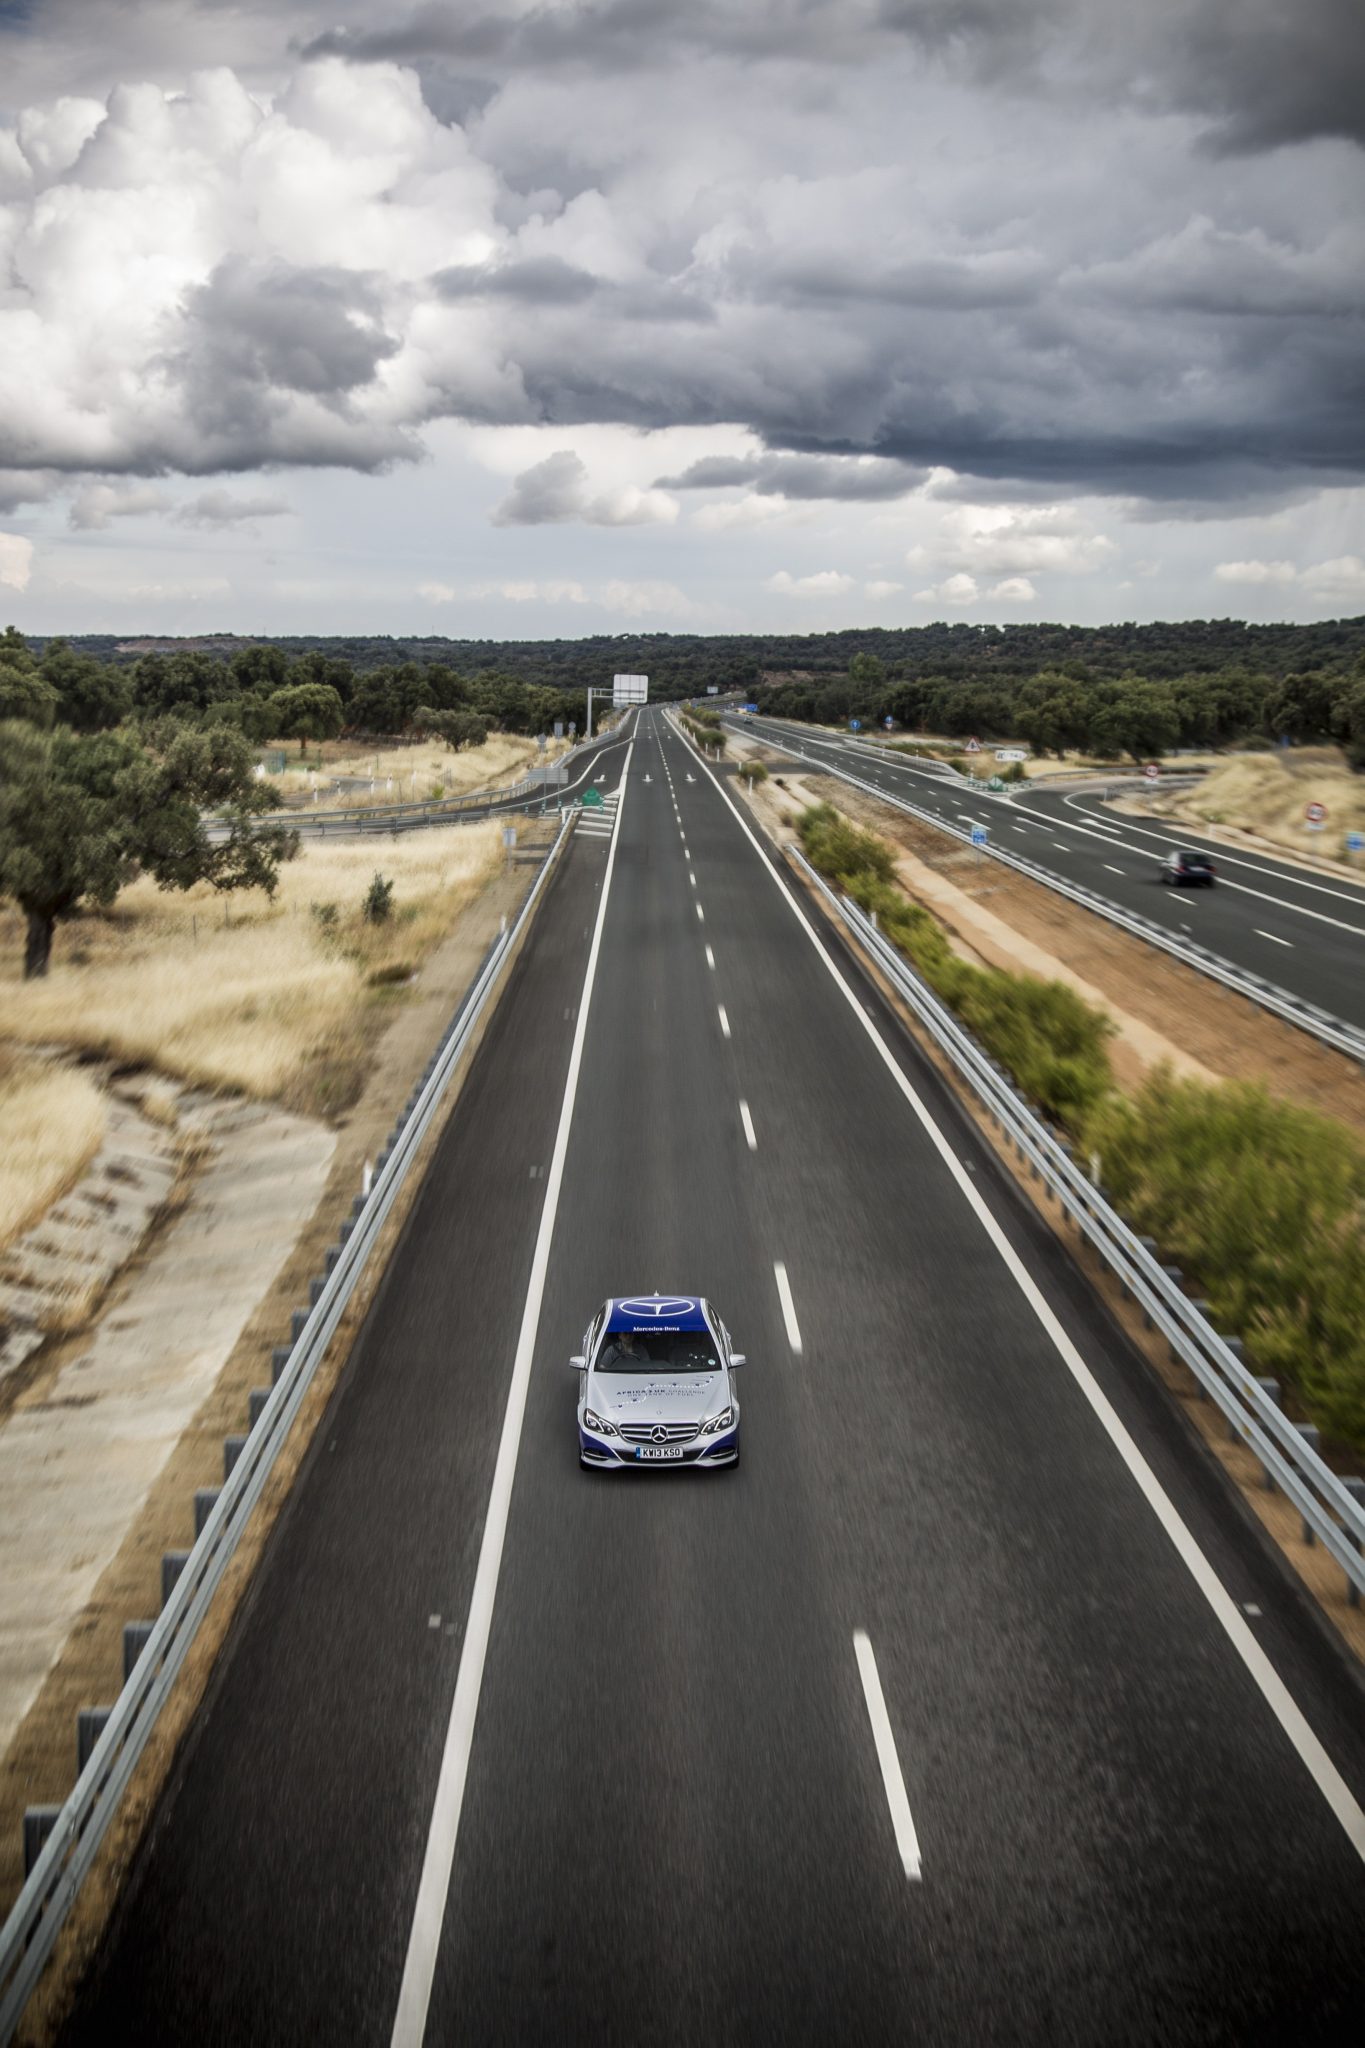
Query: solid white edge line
x,y
433,1889
1273,1690
784,1295
907,1841
724,1020
750,1136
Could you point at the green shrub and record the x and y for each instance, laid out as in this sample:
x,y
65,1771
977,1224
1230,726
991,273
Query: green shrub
x,y
1262,1203
753,772
378,904
1053,1042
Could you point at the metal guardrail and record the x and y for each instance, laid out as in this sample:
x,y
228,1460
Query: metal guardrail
x,y
1331,1512
408,817
1321,1024
41,1909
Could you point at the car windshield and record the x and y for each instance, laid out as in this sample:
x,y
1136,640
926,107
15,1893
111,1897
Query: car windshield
x,y
648,1350
1194,860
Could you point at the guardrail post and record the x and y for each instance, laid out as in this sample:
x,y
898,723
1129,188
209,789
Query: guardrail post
x,y
1271,1390
233,1446
1356,1489
255,1405
298,1321
135,1635
315,1288
90,1725
1313,1438
204,1499
172,1564
280,1357
39,1821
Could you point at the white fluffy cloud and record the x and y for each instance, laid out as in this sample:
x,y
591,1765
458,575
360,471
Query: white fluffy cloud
x,y
16,560
1343,577
559,490
1255,572
961,589
820,583
1017,589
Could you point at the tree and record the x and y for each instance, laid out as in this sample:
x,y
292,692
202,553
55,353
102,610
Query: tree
x,y
1299,707
308,711
82,814
1348,718
457,728
1135,717
91,695
866,672
26,694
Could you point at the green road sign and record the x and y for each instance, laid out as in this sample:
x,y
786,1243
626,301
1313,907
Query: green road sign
x,y
591,799
996,782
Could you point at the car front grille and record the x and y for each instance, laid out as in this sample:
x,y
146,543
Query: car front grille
x,y
660,1432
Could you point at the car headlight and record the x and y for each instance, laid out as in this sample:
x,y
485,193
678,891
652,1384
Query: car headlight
x,y
718,1422
596,1424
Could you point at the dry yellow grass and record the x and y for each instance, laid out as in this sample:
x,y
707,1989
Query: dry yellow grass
x,y
1266,794
247,993
406,774
53,1119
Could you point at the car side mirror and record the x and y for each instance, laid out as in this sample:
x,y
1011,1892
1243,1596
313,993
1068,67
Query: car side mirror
x,y
737,1358
579,1362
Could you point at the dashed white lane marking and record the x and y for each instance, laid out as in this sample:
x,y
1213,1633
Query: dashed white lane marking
x,y
433,1888
710,958
1112,869
784,1295
1062,846
907,1841
1274,937
724,1020
693,880
750,1138
701,915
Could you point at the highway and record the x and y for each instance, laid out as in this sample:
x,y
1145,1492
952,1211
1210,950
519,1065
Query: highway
x,y
1303,930
499,1750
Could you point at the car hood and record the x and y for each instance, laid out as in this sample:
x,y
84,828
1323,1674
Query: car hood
x,y
656,1397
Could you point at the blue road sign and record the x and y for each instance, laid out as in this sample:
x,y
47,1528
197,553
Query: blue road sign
x,y
980,834
889,723
1355,841
855,725
751,707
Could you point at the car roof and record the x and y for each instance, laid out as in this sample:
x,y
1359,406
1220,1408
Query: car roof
x,y
667,1312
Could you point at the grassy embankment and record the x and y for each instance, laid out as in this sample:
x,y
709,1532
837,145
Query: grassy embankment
x,y
279,998
425,771
1266,794
53,1120
1261,1203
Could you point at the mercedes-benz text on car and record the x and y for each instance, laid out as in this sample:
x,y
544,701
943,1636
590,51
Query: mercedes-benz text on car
x,y
656,1384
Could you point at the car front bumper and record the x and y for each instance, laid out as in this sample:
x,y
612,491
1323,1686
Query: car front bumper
x,y
610,1454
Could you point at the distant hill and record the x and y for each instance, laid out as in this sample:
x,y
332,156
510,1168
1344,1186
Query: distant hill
x,y
682,664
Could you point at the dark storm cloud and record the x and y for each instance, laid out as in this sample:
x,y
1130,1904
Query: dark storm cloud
x,y
800,476
1260,72
257,334
536,281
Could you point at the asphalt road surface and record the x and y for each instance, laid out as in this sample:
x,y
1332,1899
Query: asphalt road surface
x,y
677,1814
1304,931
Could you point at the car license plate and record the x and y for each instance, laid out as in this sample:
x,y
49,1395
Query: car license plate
x,y
658,1450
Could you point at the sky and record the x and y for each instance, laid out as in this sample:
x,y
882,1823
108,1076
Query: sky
x,y
534,318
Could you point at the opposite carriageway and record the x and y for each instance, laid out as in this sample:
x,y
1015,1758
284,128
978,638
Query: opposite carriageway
x,y
1291,941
